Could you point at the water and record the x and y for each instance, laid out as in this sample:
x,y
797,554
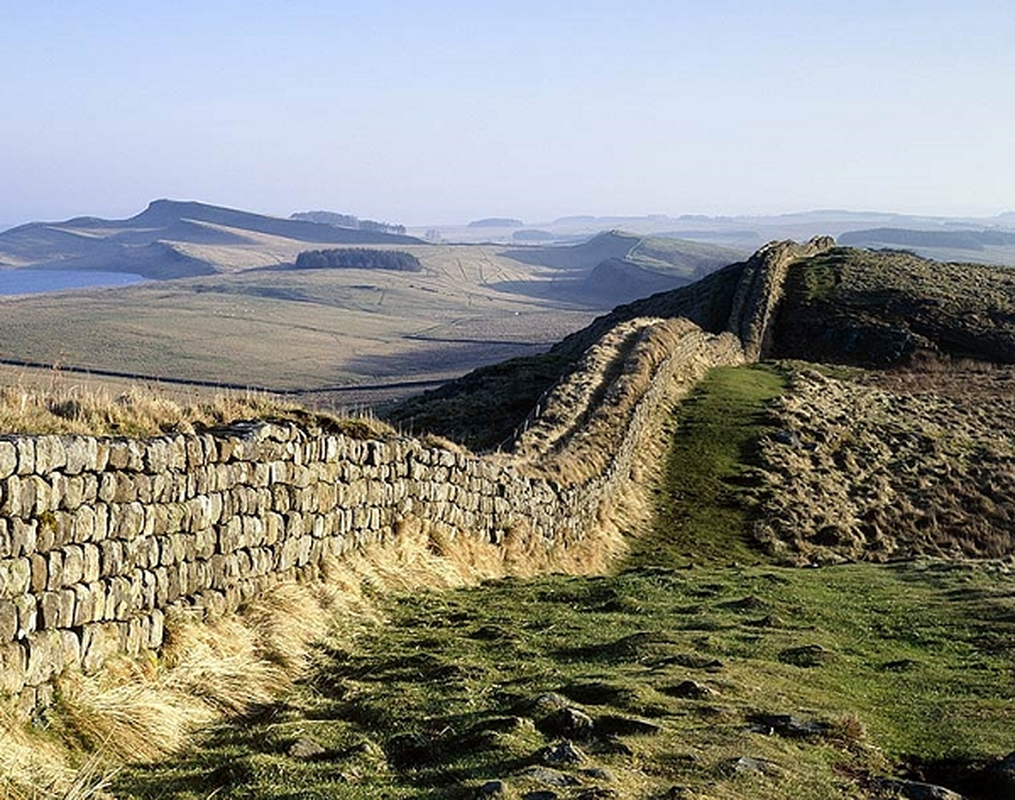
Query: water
x,y
35,281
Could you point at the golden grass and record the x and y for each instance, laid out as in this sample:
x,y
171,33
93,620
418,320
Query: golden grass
x,y
145,708
62,407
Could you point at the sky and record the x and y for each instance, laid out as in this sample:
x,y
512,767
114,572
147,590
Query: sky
x,y
442,112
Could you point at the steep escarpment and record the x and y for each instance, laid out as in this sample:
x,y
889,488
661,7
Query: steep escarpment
x,y
875,309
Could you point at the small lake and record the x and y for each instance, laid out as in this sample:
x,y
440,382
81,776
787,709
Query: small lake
x,y
37,281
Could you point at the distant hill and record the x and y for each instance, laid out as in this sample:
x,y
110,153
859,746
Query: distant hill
x,y
617,267
496,222
954,239
347,221
172,239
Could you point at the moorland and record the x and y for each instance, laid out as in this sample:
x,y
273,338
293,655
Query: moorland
x,y
818,601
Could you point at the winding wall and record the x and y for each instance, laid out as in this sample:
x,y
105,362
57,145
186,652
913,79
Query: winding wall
x,y
100,537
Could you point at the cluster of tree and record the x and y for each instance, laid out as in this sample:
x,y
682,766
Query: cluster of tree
x,y
358,258
347,221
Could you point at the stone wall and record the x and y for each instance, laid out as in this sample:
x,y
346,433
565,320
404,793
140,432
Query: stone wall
x,y
100,537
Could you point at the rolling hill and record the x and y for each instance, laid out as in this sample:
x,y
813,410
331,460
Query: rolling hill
x,y
172,239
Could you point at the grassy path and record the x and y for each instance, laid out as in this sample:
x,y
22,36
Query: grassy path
x,y
692,678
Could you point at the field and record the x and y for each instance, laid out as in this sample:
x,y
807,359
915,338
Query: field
x,y
308,330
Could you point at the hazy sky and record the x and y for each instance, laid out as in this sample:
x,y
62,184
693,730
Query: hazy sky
x,y
436,112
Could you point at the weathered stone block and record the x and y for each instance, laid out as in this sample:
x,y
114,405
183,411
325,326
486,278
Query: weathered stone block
x,y
98,643
143,488
126,489
70,646
84,606
68,598
26,455
50,454
156,632
81,454
13,666
111,558
126,521
49,610
24,536
73,565
28,614
107,487
8,458
8,621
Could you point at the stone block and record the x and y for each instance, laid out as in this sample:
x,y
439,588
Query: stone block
x,y
156,456
13,666
8,458
28,614
24,537
49,610
157,630
26,455
142,488
70,647
99,642
126,489
107,487
126,521
73,564
39,565
81,454
68,598
82,525
110,558
8,621
50,454
15,577
84,606
89,488
71,492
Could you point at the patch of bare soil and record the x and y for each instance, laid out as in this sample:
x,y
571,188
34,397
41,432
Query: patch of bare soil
x,y
878,466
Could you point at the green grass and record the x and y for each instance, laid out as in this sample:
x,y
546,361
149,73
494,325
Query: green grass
x,y
442,697
896,665
700,513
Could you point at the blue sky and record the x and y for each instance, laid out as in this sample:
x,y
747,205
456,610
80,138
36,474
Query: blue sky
x,y
430,112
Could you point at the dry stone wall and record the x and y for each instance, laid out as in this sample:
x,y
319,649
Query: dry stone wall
x,y
101,537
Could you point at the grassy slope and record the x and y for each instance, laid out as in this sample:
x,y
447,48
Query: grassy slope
x,y
298,329
905,663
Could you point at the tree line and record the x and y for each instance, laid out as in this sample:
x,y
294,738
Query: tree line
x,y
358,258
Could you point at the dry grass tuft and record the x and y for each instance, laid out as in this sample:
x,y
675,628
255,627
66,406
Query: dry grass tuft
x,y
65,408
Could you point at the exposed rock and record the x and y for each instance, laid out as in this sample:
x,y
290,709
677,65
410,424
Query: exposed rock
x,y
690,690
569,722
746,764
914,790
306,749
562,753
491,789
790,725
548,777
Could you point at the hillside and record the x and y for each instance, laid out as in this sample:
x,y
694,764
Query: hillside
x,y
173,239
